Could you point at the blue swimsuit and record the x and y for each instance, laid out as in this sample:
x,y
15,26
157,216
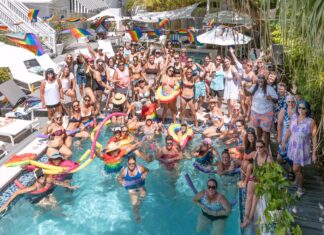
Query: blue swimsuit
x,y
137,177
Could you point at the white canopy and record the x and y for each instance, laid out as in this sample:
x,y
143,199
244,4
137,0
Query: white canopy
x,y
114,12
152,17
224,37
229,17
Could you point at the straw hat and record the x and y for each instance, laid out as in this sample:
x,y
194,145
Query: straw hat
x,y
119,99
112,147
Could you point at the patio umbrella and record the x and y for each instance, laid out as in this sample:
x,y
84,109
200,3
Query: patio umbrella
x,y
224,37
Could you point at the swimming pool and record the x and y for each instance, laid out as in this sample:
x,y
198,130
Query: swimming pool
x,y
101,206
198,56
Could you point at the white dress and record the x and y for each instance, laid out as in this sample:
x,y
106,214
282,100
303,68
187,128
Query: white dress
x,y
231,90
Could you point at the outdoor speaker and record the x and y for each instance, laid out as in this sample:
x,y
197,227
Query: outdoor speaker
x,y
278,54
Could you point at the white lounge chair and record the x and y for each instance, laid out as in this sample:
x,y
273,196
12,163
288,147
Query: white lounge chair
x,y
13,128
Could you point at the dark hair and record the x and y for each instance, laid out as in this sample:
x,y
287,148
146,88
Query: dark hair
x,y
207,56
240,121
307,106
170,67
225,151
86,96
168,137
131,157
49,71
184,124
212,180
260,141
282,84
250,147
264,87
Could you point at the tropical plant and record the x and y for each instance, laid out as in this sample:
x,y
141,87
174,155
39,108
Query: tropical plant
x,y
4,75
273,187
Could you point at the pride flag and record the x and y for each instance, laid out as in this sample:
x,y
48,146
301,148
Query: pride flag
x,y
135,34
163,22
156,32
211,23
72,20
28,41
48,18
182,32
4,28
191,37
77,32
32,15
101,23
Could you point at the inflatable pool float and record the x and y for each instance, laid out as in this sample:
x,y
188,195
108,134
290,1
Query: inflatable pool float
x,y
163,98
174,128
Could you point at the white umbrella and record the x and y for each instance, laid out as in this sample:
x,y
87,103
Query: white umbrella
x,y
224,37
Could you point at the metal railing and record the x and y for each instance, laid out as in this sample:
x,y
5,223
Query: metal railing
x,y
12,11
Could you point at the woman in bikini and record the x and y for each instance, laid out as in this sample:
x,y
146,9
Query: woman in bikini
x,y
260,158
248,79
68,83
75,123
249,153
87,111
57,136
151,71
217,119
143,93
135,71
168,82
188,96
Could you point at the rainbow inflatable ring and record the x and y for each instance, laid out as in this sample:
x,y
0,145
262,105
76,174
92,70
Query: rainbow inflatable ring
x,y
164,99
174,128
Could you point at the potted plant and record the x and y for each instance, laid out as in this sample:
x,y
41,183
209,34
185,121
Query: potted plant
x,y
272,187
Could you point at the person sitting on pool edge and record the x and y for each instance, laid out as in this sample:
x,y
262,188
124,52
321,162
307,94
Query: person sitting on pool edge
x,y
226,165
44,183
170,155
205,153
133,179
215,208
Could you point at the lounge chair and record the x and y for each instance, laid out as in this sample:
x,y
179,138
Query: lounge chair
x,y
21,104
13,128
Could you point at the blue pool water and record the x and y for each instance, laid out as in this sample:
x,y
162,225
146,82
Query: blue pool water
x,y
101,206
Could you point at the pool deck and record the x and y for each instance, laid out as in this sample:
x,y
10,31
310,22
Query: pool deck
x,y
310,209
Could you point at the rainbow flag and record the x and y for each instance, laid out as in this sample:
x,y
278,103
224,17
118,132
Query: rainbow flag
x,y
156,32
135,34
211,23
4,28
101,23
28,41
182,32
191,37
32,15
78,32
72,20
163,22
83,19
48,18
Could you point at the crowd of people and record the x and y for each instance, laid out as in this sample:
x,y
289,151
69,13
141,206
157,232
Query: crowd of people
x,y
238,102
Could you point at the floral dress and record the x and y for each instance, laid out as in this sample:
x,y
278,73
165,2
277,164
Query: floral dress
x,y
299,145
285,126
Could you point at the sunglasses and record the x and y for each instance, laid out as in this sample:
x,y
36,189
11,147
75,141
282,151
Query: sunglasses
x,y
124,131
86,100
211,186
131,164
290,101
238,125
170,70
58,118
249,65
189,61
169,143
176,58
212,102
75,106
302,108
121,65
218,59
259,147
